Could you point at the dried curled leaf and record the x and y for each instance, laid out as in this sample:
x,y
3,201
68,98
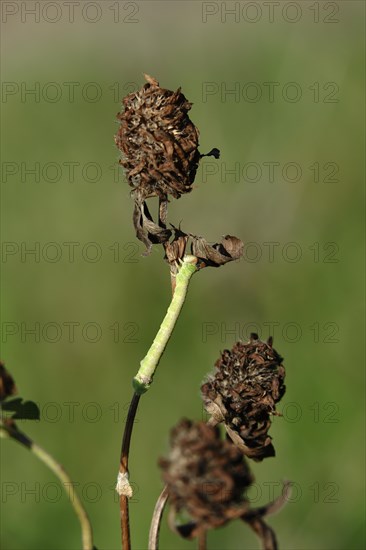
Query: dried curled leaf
x,y
254,518
215,255
21,410
175,250
147,230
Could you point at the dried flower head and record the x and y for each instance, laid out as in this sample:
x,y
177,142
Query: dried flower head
x,y
247,384
159,144
205,476
159,141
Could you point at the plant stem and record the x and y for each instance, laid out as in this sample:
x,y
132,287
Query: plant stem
x,y
202,539
123,487
144,377
156,519
142,382
7,430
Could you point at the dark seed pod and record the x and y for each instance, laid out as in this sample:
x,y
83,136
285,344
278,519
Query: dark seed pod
x,y
159,142
243,392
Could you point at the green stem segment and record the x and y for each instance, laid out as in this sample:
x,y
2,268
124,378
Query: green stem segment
x,y
57,469
144,377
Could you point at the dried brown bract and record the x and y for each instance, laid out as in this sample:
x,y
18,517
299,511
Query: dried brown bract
x,y
243,392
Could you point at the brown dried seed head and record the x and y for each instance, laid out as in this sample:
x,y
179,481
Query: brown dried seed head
x,y
206,476
247,384
158,141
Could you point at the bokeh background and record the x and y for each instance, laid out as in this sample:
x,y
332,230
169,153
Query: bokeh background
x,y
95,311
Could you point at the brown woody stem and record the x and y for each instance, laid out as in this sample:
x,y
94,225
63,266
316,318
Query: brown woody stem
x,y
202,539
123,487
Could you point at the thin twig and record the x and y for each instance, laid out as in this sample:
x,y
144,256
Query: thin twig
x,y
10,430
125,490
125,448
202,539
156,519
125,522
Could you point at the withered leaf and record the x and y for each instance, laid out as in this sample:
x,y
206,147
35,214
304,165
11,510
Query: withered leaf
x,y
22,409
254,518
215,255
7,384
147,230
215,152
175,250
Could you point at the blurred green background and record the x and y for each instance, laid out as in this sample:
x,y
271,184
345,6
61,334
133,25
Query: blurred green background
x,y
95,313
